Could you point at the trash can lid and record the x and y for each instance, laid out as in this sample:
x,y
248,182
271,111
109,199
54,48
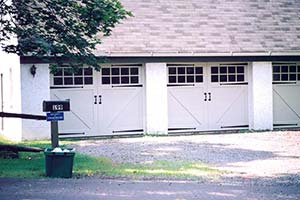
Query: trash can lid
x,y
59,151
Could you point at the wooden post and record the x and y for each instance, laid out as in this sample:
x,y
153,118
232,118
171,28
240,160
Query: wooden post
x,y
54,134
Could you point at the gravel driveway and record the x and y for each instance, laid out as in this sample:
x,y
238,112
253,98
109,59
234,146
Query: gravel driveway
x,y
265,166
265,154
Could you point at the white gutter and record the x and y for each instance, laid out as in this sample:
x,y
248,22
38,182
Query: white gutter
x,y
196,54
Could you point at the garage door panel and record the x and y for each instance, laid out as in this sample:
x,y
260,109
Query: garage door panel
x,y
186,109
123,110
286,105
81,117
286,94
290,95
229,111
121,88
283,114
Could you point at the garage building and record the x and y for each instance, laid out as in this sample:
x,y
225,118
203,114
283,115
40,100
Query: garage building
x,y
179,66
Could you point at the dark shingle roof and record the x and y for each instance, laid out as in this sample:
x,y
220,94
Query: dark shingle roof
x,y
206,26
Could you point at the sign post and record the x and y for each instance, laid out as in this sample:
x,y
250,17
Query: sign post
x,y
55,113
54,134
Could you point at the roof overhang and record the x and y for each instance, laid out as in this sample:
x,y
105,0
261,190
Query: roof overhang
x,y
197,54
132,57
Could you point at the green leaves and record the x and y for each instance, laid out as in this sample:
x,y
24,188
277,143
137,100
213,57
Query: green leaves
x,y
65,30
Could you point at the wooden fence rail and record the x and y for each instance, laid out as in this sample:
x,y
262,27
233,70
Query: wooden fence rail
x,y
22,116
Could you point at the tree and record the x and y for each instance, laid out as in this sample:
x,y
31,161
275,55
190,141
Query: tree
x,y
64,30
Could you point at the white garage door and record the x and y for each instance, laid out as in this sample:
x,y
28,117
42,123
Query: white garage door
x,y
121,89
79,89
207,97
108,102
286,95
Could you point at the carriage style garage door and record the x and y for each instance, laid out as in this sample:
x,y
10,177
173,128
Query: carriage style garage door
x,y
207,97
286,95
102,103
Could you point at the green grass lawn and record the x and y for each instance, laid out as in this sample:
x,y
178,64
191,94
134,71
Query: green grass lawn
x,y
32,165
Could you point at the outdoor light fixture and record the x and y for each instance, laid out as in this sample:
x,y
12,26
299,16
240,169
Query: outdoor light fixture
x,y
33,70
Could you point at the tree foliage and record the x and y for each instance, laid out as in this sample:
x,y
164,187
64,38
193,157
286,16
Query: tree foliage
x,y
60,29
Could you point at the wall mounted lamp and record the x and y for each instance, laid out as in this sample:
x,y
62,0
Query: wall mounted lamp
x,y
33,70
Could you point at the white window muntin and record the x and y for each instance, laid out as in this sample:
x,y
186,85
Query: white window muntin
x,y
121,75
185,73
228,73
285,72
66,76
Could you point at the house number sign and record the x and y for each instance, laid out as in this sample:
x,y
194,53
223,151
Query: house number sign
x,y
56,106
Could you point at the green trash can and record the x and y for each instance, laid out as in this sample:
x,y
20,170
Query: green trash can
x,y
59,164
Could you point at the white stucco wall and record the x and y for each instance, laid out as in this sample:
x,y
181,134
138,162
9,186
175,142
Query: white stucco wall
x,y
156,99
35,89
10,101
260,96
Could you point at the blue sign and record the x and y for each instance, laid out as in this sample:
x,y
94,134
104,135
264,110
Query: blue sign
x,y
55,116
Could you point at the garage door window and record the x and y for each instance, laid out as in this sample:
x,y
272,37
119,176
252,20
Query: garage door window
x,y
228,73
67,76
286,72
120,75
185,74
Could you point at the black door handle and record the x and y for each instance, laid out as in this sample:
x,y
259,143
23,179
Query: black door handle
x,y
100,99
209,96
95,102
205,96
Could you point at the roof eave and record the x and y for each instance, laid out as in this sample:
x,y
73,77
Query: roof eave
x,y
133,57
197,54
